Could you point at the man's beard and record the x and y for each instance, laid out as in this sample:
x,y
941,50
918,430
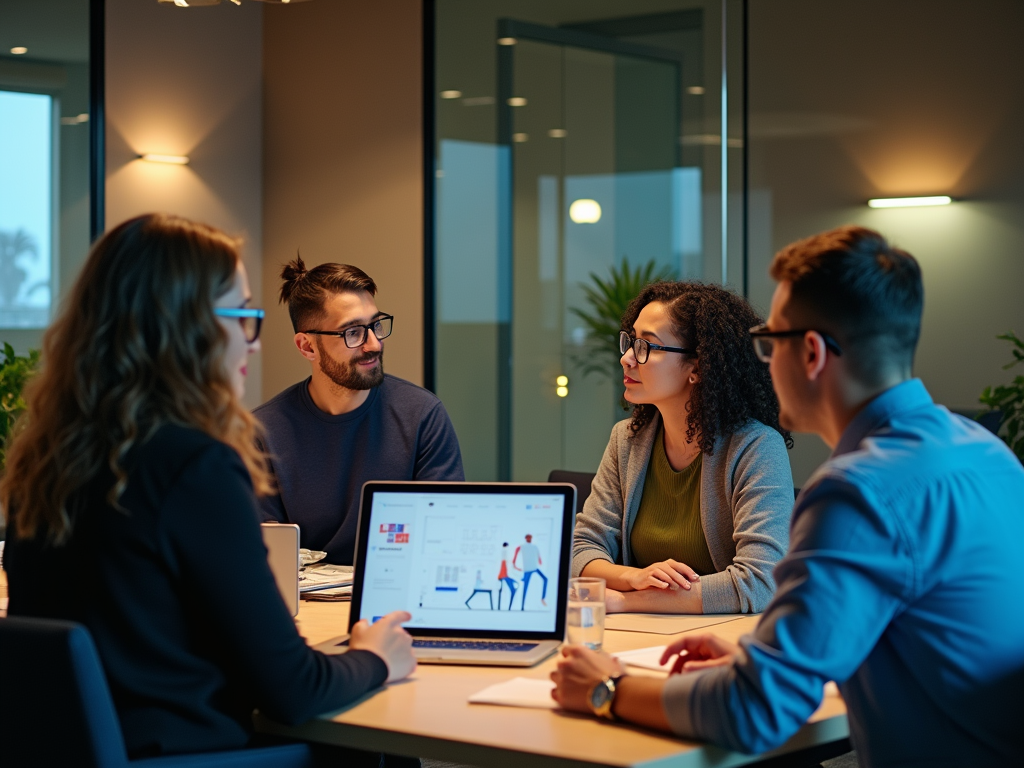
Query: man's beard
x,y
347,374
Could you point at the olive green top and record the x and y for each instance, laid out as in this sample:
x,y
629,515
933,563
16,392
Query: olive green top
x,y
668,521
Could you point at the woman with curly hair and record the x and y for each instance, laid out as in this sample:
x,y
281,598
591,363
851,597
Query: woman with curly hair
x,y
689,511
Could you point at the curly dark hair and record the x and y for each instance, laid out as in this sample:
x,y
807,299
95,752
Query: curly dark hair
x,y
733,386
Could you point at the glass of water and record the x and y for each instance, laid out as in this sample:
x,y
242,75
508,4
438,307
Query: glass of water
x,y
585,618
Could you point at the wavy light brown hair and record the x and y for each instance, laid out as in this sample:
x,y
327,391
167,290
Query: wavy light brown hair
x,y
733,386
136,346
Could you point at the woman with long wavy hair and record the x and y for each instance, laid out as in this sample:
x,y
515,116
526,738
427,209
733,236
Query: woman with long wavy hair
x,y
690,508
129,496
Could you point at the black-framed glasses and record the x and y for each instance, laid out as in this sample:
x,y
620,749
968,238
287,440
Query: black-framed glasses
x,y
248,317
642,347
764,340
355,335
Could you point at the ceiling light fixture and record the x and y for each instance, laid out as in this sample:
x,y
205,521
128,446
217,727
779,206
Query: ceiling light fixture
x,y
585,211
909,202
451,94
194,3
168,159
519,138
19,50
558,133
507,41
695,90
517,101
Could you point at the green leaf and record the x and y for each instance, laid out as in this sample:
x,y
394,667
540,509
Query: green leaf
x,y
15,371
1009,399
607,297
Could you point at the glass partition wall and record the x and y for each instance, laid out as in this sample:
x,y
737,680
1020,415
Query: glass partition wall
x,y
577,144
48,132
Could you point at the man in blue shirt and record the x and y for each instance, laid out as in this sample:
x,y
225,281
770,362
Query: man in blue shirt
x,y
348,422
902,582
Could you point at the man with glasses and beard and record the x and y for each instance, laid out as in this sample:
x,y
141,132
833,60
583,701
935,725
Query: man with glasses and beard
x,y
349,422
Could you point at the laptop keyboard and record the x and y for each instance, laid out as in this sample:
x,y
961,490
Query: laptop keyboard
x,y
474,645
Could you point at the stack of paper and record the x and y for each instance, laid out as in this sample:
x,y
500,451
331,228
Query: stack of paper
x,y
326,582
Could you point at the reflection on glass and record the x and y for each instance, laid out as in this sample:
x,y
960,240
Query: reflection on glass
x,y
571,138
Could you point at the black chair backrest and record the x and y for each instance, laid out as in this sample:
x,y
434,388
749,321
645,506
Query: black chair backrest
x,y
582,481
55,706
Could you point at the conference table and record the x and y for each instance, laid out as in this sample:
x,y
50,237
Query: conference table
x,y
429,715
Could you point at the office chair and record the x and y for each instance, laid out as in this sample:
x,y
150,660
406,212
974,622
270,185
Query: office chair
x,y
582,481
56,709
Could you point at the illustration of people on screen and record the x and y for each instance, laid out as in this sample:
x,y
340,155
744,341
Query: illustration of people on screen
x,y
504,578
478,586
531,565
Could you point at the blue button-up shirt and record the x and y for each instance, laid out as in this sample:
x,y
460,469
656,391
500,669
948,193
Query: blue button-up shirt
x,y
903,583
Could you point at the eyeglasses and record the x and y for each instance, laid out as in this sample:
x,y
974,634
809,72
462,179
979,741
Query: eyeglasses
x,y
249,318
355,335
764,343
642,348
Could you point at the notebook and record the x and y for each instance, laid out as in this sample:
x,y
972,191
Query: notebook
x,y
282,542
482,567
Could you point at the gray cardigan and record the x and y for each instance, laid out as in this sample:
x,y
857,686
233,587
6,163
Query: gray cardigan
x,y
746,499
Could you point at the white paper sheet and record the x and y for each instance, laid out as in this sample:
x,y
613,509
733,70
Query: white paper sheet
x,y
648,658
663,624
518,692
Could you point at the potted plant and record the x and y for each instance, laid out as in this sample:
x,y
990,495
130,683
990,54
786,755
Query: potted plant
x,y
607,299
14,372
1008,402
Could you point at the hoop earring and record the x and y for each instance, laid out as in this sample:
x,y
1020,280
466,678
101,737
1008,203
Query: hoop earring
x,y
693,379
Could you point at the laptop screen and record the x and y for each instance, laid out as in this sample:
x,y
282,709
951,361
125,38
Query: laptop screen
x,y
467,558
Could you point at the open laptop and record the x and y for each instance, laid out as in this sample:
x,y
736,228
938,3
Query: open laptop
x,y
482,567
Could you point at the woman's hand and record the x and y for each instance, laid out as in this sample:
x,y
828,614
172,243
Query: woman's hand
x,y
577,674
700,652
664,575
389,640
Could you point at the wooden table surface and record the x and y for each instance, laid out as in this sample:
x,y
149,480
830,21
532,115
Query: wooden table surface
x,y
429,715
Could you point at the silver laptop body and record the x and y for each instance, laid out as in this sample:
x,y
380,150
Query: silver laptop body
x,y
282,543
482,567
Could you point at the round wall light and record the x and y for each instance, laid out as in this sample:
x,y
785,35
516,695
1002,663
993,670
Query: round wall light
x,y
585,211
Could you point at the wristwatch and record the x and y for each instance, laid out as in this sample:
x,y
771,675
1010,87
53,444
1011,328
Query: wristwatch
x,y
602,696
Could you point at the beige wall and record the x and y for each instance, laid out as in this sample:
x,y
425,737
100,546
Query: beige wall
x,y
187,81
854,100
343,163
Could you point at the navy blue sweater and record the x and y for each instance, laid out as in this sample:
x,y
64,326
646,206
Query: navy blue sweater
x,y
320,461
177,594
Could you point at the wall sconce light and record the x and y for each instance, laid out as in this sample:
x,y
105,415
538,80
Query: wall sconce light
x,y
562,386
585,211
909,202
168,159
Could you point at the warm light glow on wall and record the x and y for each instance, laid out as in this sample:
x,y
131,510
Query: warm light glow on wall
x,y
909,202
170,159
585,211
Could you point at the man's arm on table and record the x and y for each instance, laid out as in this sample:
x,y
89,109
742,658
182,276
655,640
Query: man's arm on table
x,y
844,553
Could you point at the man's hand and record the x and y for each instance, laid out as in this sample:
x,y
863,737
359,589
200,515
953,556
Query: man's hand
x,y
389,640
577,674
664,575
700,652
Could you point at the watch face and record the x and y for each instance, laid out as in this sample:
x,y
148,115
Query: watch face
x,y
600,695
